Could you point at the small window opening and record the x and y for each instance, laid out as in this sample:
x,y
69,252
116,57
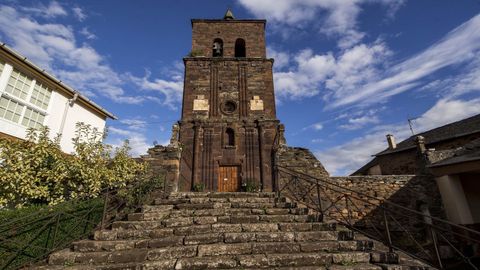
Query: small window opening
x,y
240,48
230,137
217,48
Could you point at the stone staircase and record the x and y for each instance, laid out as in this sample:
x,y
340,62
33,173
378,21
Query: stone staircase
x,y
224,231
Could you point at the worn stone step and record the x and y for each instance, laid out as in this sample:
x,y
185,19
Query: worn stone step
x,y
93,245
157,208
153,223
170,221
124,256
185,204
264,242
384,257
384,266
148,216
355,266
237,212
207,200
277,261
221,194
209,228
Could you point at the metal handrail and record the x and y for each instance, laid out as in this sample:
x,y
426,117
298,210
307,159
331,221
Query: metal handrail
x,y
47,233
316,191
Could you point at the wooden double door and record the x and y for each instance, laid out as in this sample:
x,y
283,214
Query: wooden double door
x,y
228,179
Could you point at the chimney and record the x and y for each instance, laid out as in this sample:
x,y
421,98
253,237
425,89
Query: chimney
x,y
420,140
391,142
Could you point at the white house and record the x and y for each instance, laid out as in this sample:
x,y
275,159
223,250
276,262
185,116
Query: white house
x,y
30,97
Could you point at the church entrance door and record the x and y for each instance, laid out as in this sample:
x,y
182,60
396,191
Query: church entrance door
x,y
228,179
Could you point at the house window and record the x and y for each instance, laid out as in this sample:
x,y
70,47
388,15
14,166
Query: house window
x,y
10,110
217,48
40,96
240,48
229,137
18,85
23,104
33,119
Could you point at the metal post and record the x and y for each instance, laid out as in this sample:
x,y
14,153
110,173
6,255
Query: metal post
x,y
104,214
320,206
48,237
56,229
387,230
347,206
87,222
435,245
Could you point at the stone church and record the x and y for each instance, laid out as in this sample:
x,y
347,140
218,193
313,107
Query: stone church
x,y
228,138
228,125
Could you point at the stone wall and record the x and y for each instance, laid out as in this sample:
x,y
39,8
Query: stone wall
x,y
410,191
300,160
164,160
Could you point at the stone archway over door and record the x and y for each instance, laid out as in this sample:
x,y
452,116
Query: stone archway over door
x,y
228,179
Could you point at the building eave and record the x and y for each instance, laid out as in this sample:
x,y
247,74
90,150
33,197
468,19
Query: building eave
x,y
58,82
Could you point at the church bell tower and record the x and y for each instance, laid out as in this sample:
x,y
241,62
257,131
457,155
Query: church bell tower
x,y
229,126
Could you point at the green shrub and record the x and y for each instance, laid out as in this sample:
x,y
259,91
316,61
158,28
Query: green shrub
x,y
36,171
198,187
250,185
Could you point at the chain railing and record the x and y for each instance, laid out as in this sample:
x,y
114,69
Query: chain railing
x,y
31,237
432,240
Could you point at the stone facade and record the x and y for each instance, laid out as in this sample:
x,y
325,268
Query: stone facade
x,y
228,111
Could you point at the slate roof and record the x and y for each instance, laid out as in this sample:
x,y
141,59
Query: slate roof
x,y
453,130
470,152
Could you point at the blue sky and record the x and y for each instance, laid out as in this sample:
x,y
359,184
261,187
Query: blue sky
x,y
346,72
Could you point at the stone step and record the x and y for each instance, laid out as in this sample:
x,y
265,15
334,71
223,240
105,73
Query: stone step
x,y
211,228
67,257
213,256
202,200
222,194
137,222
181,204
297,241
270,261
234,211
209,219
403,267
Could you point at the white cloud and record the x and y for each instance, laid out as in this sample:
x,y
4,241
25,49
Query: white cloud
x,y
53,47
350,156
461,45
136,124
79,13
317,126
339,74
359,122
282,59
171,89
138,141
53,10
362,75
88,35
333,18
